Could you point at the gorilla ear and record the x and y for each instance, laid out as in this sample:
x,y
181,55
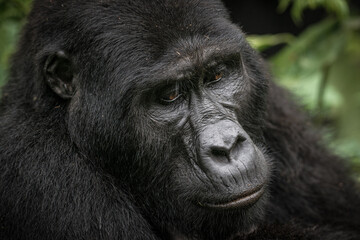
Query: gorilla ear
x,y
59,74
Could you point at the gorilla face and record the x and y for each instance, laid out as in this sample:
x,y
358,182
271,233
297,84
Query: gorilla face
x,y
205,162
172,109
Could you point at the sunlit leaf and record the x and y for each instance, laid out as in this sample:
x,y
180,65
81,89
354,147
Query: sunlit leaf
x,y
263,42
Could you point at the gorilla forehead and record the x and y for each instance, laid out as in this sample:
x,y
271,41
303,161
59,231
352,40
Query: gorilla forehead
x,y
137,34
144,25
140,24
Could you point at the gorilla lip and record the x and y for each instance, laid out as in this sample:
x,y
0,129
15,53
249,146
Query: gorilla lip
x,y
245,199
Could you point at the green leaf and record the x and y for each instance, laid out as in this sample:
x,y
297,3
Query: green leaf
x,y
263,42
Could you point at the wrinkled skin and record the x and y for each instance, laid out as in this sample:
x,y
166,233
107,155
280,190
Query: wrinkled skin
x,y
156,120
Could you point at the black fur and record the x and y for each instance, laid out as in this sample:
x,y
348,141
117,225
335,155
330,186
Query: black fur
x,y
92,167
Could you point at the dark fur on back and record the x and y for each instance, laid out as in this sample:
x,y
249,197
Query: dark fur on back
x,y
57,173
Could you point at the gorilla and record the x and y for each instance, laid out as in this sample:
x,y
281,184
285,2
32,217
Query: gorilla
x,y
138,119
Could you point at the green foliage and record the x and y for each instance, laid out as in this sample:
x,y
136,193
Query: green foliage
x,y
338,7
12,15
9,30
322,68
305,61
14,9
264,42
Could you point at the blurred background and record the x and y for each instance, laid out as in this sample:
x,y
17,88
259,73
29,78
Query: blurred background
x,y
312,46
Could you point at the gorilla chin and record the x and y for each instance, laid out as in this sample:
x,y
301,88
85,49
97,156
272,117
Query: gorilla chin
x,y
216,221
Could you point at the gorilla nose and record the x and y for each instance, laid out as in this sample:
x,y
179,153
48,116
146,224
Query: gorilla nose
x,y
228,155
221,142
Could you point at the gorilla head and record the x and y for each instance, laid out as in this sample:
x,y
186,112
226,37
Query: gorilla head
x,y
164,97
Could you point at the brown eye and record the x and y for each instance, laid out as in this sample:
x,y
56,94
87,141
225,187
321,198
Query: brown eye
x,y
218,76
170,95
215,75
213,78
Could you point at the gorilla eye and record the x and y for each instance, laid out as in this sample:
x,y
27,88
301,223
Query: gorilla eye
x,y
215,75
170,94
218,76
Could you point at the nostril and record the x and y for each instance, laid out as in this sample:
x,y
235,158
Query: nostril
x,y
220,154
239,140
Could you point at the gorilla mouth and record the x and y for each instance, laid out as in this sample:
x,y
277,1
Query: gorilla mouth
x,y
246,199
